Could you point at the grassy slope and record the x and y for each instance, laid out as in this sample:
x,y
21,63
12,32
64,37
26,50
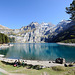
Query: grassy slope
x,y
2,73
50,71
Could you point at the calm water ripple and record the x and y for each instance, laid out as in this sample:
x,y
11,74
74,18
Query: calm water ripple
x,y
39,51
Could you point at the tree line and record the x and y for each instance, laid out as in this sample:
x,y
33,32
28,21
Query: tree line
x,y
3,38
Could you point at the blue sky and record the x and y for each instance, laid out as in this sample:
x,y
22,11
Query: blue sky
x,y
17,13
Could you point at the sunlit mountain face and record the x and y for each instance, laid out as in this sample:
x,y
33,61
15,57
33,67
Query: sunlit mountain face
x,y
37,33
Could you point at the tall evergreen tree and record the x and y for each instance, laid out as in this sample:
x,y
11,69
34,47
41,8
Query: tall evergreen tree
x,y
0,38
6,39
3,38
71,10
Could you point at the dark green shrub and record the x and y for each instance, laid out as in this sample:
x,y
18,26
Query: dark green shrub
x,y
58,68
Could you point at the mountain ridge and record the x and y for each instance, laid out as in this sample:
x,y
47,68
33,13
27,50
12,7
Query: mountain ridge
x,y
3,27
38,33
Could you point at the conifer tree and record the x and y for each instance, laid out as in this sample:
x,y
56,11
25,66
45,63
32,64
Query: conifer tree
x,y
3,38
6,39
0,38
71,10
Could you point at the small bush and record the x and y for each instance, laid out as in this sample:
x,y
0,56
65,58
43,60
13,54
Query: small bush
x,y
28,67
37,67
58,68
70,65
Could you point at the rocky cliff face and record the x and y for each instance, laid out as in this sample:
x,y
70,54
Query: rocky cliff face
x,y
5,30
35,32
67,35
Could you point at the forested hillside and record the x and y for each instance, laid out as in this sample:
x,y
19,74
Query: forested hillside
x,y
67,36
3,38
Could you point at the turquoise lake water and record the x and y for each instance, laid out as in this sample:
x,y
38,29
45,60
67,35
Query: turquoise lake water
x,y
40,51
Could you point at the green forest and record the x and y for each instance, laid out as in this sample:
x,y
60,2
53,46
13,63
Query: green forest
x,y
3,38
67,36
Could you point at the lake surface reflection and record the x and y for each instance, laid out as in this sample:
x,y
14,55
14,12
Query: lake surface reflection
x,y
39,51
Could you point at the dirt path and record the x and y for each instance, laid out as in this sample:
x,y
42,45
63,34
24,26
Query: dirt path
x,y
44,73
3,71
7,73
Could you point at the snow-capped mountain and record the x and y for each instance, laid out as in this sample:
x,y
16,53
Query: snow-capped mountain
x,y
62,25
35,32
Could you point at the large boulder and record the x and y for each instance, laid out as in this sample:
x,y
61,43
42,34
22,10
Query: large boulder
x,y
60,60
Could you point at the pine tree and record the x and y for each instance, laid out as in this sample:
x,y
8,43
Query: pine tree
x,y
71,10
3,38
0,38
6,39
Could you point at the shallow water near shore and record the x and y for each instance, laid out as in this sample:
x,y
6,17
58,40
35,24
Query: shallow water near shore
x,y
39,51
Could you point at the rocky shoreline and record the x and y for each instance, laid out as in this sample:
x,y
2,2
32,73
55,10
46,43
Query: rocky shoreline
x,y
67,44
5,45
32,62
44,64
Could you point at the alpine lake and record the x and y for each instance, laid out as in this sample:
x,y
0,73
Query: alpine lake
x,y
39,51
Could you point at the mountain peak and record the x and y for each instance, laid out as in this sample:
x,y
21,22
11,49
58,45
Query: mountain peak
x,y
35,23
3,27
44,23
63,22
47,24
